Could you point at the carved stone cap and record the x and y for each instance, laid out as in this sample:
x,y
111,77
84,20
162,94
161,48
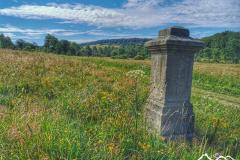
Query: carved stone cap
x,y
174,31
175,36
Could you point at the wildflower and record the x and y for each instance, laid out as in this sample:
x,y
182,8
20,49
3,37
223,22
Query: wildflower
x,y
144,146
136,74
111,147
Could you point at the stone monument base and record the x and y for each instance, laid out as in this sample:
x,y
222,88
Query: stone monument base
x,y
172,122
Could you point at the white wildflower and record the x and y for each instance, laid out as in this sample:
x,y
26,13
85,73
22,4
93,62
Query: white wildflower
x,y
136,74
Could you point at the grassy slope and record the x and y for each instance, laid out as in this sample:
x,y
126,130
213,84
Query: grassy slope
x,y
56,107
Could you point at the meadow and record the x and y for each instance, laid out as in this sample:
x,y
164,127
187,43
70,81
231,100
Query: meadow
x,y
66,107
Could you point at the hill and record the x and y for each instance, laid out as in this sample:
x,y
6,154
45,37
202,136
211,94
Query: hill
x,y
222,47
68,107
123,41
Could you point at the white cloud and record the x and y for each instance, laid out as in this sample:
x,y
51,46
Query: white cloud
x,y
35,32
142,3
138,13
73,13
31,32
12,35
26,33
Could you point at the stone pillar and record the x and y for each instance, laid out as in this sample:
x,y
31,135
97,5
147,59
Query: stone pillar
x,y
169,111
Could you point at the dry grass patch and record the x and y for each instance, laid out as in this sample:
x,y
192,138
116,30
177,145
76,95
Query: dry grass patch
x,y
218,69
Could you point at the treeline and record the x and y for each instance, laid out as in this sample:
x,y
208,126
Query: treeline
x,y
122,41
221,48
6,42
53,45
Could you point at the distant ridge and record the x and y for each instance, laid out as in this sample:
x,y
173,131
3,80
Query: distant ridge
x,y
122,41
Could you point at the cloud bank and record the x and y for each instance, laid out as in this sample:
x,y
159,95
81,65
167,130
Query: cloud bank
x,y
33,34
138,13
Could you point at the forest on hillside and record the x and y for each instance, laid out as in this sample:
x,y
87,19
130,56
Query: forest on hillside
x,y
121,41
220,48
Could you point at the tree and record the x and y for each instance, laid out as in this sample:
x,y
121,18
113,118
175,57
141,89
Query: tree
x,y
50,43
74,49
23,45
6,42
100,51
88,51
234,49
115,52
94,51
63,47
20,44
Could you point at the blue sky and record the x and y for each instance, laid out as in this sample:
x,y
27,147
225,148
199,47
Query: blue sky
x,y
89,20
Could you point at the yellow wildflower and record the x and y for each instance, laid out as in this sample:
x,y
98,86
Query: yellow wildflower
x,y
144,146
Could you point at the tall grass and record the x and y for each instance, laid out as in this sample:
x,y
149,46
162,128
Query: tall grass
x,y
58,107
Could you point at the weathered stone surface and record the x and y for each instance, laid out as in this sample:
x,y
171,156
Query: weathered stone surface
x,y
174,31
169,111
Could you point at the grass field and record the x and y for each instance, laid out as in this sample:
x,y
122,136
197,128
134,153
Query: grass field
x,y
60,107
